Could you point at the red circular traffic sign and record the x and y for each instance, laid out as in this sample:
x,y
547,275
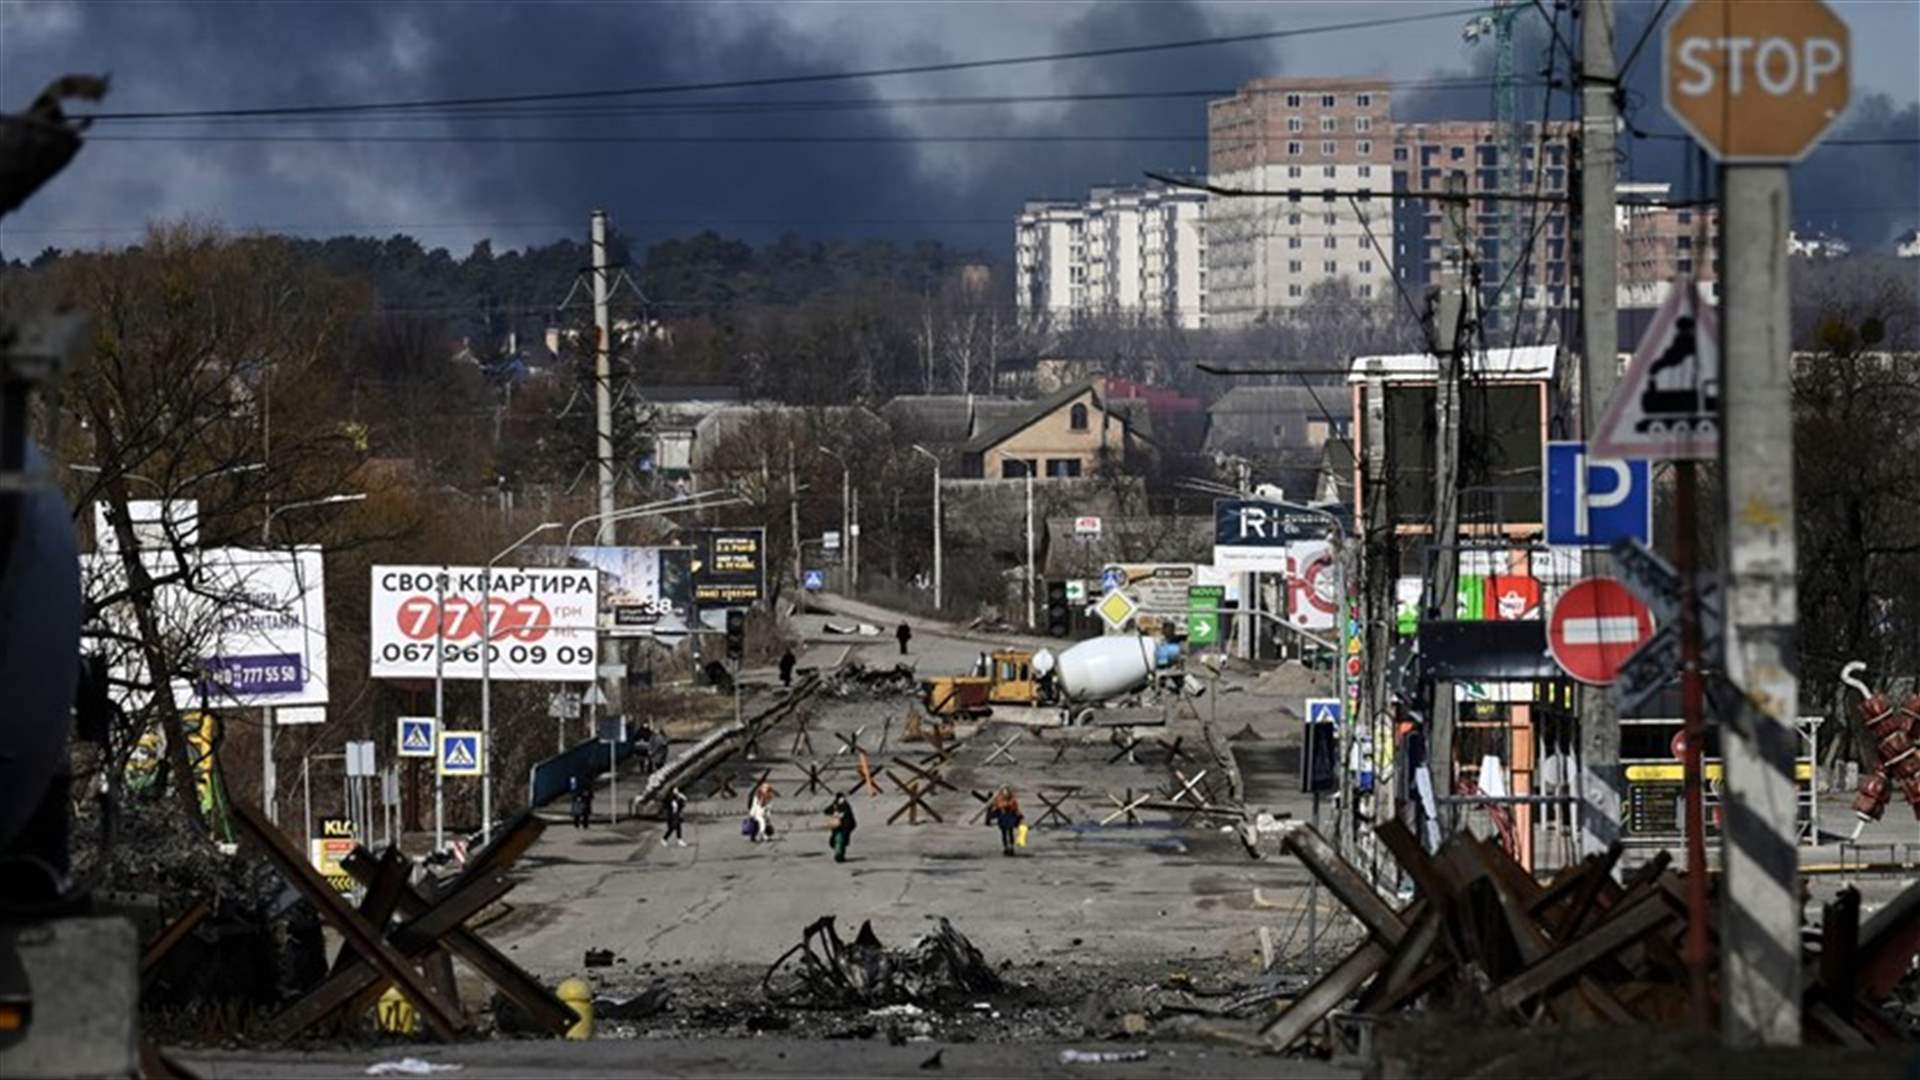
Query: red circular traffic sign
x,y
1594,627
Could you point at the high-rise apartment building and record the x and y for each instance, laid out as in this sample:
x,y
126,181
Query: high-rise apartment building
x,y
1320,153
1437,238
1660,244
1128,252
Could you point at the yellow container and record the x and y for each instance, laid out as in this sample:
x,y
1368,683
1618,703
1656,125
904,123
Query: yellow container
x,y
394,1014
579,997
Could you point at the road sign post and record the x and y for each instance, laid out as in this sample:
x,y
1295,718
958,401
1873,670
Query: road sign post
x,y
1203,614
1758,85
1596,625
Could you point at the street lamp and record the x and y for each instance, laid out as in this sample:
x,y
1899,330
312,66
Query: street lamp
x,y
847,552
938,605
694,501
486,683
266,525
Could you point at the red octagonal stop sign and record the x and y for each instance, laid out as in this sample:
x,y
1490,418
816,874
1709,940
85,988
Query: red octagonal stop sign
x,y
1594,627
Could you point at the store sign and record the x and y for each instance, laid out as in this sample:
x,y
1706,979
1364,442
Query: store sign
x,y
644,591
541,623
1253,536
729,567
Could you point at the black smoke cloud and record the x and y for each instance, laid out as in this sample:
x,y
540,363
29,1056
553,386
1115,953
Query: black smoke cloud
x,y
1867,194
195,55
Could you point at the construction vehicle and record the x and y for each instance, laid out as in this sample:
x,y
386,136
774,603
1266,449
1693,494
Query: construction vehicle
x,y
1089,672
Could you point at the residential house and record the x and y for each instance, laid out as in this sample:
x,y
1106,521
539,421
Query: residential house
x,y
946,423
1070,434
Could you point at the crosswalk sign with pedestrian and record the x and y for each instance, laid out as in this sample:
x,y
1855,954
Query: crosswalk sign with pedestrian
x,y
815,580
415,738
460,753
1323,710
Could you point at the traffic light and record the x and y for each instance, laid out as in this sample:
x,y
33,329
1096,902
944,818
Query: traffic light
x,y
1059,615
736,634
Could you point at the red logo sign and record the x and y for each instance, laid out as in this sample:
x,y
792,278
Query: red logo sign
x,y
1594,627
519,619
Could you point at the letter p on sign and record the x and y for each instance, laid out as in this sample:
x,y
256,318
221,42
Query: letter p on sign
x,y
1757,82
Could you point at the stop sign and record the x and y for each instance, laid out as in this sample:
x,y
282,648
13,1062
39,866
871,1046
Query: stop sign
x,y
1594,627
1757,82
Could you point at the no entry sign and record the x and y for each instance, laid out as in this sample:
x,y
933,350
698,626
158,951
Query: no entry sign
x,y
1594,627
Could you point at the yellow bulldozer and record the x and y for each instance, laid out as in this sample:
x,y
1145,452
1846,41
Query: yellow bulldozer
x,y
1009,681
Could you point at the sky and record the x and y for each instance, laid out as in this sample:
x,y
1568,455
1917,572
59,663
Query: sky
x,y
895,184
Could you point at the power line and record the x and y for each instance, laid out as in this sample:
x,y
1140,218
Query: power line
x,y
793,80
747,107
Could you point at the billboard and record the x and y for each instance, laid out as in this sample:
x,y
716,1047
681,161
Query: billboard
x,y
1313,584
643,590
1253,536
255,621
543,622
1161,589
729,567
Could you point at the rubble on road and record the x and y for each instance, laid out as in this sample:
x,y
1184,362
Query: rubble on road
x,y
854,680
824,971
860,629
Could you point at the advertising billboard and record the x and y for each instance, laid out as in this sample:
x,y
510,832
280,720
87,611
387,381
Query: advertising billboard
x,y
256,622
644,591
729,567
542,621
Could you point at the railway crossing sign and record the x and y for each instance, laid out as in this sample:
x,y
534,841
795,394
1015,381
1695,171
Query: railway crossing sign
x,y
415,736
1668,402
1757,83
1595,626
460,753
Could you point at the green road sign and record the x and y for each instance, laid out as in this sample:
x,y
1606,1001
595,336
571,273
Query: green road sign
x,y
1203,613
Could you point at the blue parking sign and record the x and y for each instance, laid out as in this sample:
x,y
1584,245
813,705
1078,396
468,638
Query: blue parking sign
x,y
1593,502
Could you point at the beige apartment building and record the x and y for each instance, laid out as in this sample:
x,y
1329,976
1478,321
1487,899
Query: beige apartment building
x,y
1320,151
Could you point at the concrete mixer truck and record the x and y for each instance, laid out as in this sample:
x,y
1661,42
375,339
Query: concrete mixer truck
x,y
1085,674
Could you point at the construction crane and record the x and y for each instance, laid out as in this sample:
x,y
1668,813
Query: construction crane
x,y
1498,25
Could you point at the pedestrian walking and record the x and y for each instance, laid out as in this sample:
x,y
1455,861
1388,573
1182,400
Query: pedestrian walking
x,y
1004,812
582,801
840,816
676,806
905,634
786,669
760,812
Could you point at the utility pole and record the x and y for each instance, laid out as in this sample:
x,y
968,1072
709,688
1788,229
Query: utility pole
x,y
439,707
1379,553
1761,977
602,376
1600,777
793,515
1449,331
1030,568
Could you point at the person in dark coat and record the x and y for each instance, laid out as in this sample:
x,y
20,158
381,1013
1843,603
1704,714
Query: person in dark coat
x,y
676,807
582,801
841,814
905,634
786,668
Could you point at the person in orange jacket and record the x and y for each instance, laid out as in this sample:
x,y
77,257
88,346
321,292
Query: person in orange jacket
x,y
1004,811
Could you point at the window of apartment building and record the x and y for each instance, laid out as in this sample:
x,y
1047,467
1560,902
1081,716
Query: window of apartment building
x,y
1456,153
1363,147
1293,291
1293,266
1293,149
1556,178
1077,417
1365,101
1329,267
1685,243
1295,124
1331,242
1329,219
1686,217
1326,101
1686,266
1329,123
1366,266
1366,171
1293,219
1328,171
1294,195
1363,123
1063,467
1293,242
1366,291
1326,148
1400,154
1293,172
1293,101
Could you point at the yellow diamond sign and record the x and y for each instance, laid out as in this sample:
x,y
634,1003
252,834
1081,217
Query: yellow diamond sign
x,y
1117,608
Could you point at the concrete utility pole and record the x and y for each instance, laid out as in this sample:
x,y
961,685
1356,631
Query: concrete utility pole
x,y
439,707
793,515
1449,331
1379,554
1760,930
602,376
1030,567
938,596
1600,777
